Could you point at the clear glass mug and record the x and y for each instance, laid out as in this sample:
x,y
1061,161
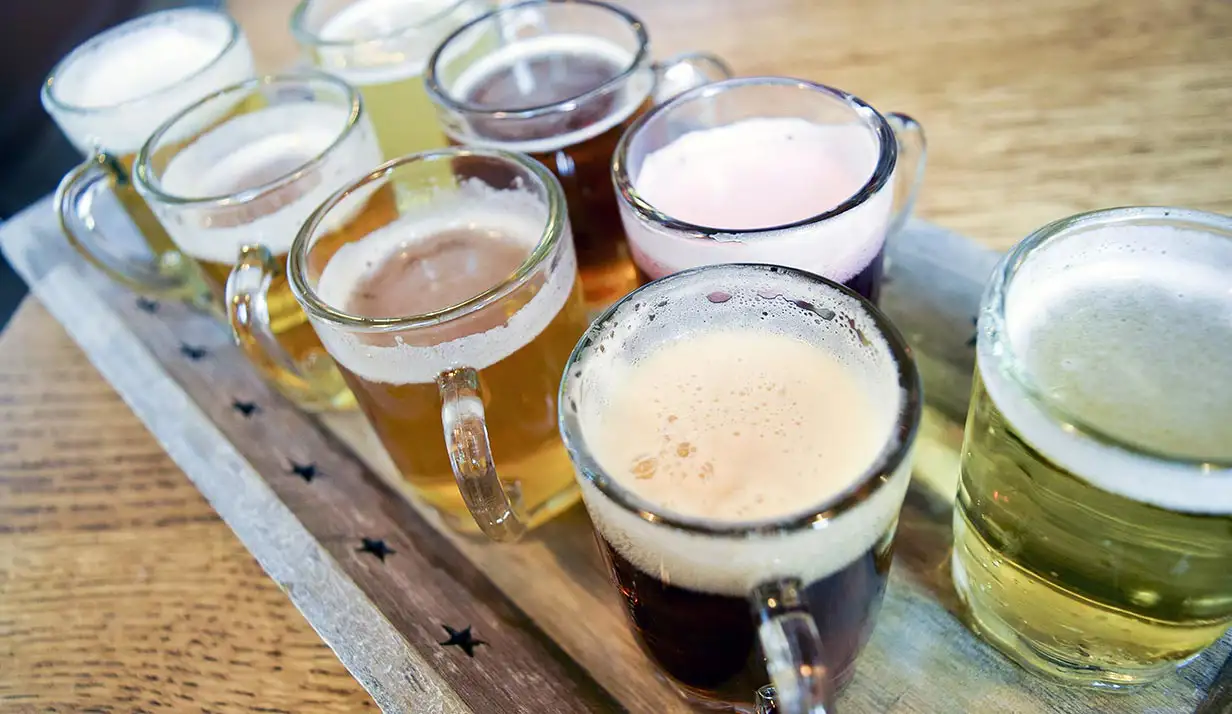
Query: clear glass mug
x,y
108,96
707,597
873,164
1091,528
444,285
382,48
561,81
232,178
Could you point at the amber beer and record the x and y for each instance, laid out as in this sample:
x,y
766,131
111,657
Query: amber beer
x,y
1091,530
458,303
564,92
245,167
108,96
712,416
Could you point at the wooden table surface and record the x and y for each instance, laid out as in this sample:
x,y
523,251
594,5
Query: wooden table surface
x,y
121,591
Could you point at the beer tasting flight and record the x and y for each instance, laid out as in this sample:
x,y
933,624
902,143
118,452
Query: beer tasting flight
x,y
548,266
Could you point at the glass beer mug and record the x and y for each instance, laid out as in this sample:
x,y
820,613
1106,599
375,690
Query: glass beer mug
x,y
742,436
108,96
232,178
444,284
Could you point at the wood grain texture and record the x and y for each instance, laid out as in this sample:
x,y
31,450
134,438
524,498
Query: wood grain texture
x,y
120,588
1033,110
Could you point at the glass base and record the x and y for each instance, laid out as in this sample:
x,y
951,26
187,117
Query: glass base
x,y
1071,660
549,509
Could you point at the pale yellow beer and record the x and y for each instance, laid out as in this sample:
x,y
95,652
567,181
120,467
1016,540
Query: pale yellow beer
x,y
108,96
453,304
382,47
245,167
1093,528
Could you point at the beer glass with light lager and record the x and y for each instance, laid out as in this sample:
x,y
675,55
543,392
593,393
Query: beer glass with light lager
x,y
768,170
742,436
382,47
233,178
1093,527
108,96
444,284
562,83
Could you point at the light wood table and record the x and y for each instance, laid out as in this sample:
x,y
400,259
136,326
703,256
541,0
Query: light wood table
x,y
120,591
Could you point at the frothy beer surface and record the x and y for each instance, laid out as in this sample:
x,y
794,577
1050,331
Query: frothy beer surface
x,y
737,425
758,173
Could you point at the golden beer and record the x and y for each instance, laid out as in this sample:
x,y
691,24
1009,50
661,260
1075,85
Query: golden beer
x,y
108,96
341,37
1093,527
245,167
454,303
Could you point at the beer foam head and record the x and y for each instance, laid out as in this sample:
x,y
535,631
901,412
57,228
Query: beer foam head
x,y
631,94
737,179
737,399
1125,329
256,152
113,91
380,41
514,215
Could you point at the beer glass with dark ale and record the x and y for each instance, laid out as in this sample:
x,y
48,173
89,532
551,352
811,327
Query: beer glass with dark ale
x,y
108,96
444,284
742,437
232,178
561,81
768,170
1093,526
382,47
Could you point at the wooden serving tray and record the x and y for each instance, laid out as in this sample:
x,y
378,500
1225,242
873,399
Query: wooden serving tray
x,y
305,494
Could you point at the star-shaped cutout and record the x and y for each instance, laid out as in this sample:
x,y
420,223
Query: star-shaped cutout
x,y
245,408
304,471
145,304
462,639
375,546
193,353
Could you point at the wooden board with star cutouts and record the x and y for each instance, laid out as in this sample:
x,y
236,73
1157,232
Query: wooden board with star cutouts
x,y
428,620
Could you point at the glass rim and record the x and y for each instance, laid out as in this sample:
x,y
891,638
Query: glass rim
x,y
553,231
993,322
143,170
887,155
309,38
444,99
234,34
879,473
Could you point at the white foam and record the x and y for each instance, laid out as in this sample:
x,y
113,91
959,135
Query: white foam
x,y
297,131
514,214
627,99
765,303
1136,356
136,76
762,172
393,39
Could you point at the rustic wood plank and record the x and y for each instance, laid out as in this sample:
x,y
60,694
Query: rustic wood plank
x,y
305,534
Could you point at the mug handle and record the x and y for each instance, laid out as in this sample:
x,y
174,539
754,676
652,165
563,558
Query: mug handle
x,y
248,312
793,649
913,146
168,275
685,71
496,509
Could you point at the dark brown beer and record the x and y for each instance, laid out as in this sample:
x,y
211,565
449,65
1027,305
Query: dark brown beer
x,y
575,143
707,642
